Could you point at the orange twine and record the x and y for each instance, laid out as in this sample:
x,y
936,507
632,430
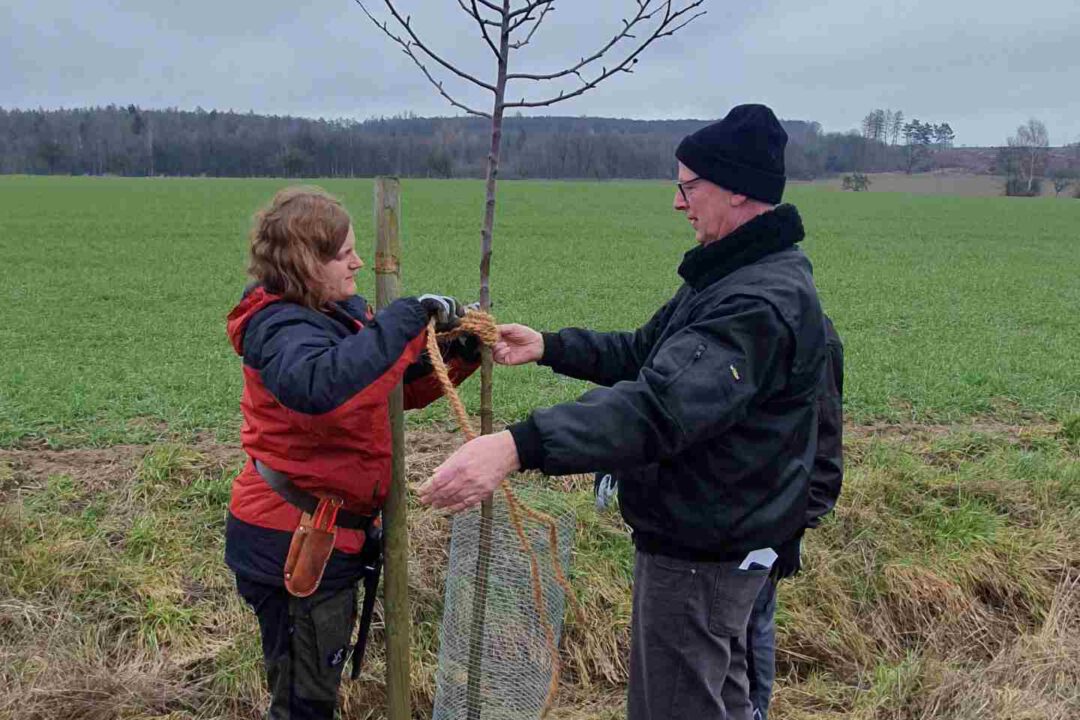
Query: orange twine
x,y
482,325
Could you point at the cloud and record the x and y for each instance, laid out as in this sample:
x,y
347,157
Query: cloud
x,y
983,67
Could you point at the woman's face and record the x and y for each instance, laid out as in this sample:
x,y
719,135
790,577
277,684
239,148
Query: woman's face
x,y
338,274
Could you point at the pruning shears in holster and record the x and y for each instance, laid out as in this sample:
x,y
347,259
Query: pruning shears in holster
x,y
313,543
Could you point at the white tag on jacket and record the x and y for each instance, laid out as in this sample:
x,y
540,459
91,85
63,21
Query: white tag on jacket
x,y
764,557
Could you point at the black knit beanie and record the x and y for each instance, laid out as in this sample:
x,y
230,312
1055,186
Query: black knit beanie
x,y
743,153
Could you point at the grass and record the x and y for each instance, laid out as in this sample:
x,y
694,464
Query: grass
x,y
947,580
116,290
947,583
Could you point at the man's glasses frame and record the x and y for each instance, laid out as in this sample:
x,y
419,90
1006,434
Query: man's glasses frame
x,y
687,184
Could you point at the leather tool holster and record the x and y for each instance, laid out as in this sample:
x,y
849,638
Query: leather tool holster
x,y
312,543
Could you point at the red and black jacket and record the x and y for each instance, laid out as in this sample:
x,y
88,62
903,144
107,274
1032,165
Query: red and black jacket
x,y
314,405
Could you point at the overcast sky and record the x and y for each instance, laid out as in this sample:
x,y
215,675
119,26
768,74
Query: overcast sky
x,y
984,67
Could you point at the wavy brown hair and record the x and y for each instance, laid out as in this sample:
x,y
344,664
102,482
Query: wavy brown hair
x,y
302,228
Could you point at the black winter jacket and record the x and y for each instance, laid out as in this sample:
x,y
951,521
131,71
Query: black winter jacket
x,y
708,412
827,476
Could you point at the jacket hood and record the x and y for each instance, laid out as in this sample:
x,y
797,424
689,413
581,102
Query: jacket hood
x,y
255,299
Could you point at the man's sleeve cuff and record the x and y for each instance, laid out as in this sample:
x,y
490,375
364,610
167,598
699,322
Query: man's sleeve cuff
x,y
530,446
553,349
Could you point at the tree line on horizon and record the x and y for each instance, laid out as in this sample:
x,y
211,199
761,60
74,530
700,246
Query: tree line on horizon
x,y
130,141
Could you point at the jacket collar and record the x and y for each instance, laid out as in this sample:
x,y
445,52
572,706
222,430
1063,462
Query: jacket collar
x,y
766,234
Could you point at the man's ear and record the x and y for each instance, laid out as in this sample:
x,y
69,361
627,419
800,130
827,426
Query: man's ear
x,y
736,200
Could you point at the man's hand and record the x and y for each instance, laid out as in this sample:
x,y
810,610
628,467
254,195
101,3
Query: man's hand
x,y
472,473
445,309
518,345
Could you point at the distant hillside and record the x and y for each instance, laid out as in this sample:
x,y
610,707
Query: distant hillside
x,y
983,160
132,141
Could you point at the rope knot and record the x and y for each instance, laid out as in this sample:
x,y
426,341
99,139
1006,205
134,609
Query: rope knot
x,y
475,322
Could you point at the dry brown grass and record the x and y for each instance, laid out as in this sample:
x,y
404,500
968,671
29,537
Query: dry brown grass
x,y
945,586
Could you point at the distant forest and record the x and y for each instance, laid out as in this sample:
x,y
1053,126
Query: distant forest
x,y
117,140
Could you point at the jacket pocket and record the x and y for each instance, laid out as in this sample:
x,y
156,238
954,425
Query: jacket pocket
x,y
672,365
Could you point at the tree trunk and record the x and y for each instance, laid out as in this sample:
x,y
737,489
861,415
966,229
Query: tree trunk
x,y
476,644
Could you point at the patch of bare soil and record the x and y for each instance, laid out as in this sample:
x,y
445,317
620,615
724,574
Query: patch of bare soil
x,y
426,449
102,467
92,467
925,431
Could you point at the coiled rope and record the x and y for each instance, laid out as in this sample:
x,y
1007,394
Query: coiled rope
x,y
482,325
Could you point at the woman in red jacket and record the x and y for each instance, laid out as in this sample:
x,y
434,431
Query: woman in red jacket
x,y
318,368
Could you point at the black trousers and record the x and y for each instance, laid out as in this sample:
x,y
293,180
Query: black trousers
x,y
306,642
688,639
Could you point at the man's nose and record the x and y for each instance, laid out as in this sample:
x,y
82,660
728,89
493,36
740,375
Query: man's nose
x,y
678,203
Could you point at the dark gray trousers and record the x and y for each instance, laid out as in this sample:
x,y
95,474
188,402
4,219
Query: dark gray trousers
x,y
305,645
761,650
688,639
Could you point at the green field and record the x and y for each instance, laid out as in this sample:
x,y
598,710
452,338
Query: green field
x,y
945,585
116,290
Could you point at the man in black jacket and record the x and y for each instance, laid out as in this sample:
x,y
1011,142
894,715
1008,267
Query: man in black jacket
x,y
707,414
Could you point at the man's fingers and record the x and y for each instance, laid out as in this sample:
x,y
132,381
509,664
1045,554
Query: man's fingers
x,y
466,503
502,354
439,485
441,497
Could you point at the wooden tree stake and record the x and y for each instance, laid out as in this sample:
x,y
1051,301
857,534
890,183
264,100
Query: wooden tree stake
x,y
395,513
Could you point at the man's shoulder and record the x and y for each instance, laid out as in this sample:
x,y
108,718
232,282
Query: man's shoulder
x,y
782,272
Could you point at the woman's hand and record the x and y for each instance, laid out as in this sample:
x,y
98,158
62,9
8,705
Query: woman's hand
x,y
518,344
446,310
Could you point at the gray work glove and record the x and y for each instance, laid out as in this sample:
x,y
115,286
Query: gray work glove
x,y
605,488
445,309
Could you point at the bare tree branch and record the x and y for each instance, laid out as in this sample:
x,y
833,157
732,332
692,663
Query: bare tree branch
x,y
483,22
439,86
548,7
643,15
474,12
407,48
667,27
491,6
406,23
527,10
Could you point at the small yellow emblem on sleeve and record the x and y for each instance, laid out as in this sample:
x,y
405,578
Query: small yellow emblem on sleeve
x,y
734,372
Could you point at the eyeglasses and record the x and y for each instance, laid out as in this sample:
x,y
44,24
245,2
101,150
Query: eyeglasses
x,y
684,186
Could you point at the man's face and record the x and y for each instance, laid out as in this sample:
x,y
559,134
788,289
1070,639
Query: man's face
x,y
711,210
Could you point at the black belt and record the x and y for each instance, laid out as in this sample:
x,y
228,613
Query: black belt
x,y
280,483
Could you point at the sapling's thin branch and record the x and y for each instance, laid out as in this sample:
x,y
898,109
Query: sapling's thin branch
x,y
643,15
490,6
405,22
442,91
667,27
526,10
684,23
548,7
474,13
527,13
